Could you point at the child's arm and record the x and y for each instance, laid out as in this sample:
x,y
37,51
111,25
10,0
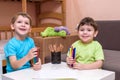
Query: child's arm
x,y
96,65
18,63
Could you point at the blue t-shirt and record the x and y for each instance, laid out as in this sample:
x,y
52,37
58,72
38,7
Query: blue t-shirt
x,y
18,48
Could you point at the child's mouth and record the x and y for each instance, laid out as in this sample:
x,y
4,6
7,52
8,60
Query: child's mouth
x,y
22,29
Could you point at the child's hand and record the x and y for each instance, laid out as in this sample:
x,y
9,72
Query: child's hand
x,y
78,66
37,66
32,53
70,60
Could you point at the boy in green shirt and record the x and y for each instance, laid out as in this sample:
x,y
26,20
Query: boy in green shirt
x,y
88,53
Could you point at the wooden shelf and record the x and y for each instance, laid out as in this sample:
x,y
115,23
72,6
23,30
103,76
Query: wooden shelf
x,y
40,16
52,15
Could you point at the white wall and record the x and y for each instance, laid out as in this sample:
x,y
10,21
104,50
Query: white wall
x,y
98,9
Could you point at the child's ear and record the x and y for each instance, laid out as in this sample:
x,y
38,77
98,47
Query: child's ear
x,y
95,34
30,29
12,27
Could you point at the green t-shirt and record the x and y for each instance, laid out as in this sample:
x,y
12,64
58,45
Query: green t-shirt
x,y
88,53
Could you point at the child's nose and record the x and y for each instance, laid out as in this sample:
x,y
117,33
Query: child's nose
x,y
23,24
85,31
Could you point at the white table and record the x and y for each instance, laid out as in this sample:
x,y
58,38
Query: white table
x,y
56,71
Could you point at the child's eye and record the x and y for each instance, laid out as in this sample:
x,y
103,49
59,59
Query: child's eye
x,y
81,29
27,23
89,30
18,21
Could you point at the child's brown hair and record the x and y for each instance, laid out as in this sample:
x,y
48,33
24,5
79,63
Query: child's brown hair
x,y
88,21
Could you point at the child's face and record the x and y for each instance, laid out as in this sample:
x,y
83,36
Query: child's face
x,y
86,33
21,26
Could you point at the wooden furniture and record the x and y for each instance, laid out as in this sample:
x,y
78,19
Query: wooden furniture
x,y
5,33
59,72
52,15
24,4
35,31
49,14
43,43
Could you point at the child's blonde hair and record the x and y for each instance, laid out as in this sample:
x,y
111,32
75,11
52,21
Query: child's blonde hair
x,y
22,14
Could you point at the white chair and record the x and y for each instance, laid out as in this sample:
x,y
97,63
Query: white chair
x,y
2,55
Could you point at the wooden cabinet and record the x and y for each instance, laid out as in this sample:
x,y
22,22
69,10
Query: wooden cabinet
x,y
24,4
40,16
52,15
44,43
47,14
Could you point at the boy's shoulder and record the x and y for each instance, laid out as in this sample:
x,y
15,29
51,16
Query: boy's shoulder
x,y
96,42
29,38
76,42
11,40
79,42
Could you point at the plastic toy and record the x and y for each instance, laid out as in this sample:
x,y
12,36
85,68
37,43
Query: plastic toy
x,y
49,31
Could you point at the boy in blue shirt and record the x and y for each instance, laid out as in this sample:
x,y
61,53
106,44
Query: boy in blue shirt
x,y
21,48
